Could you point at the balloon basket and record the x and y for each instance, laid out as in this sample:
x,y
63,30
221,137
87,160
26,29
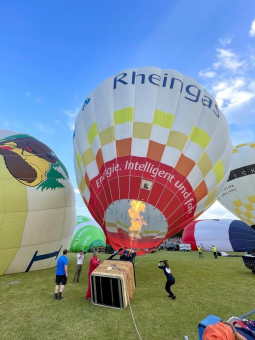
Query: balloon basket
x,y
249,262
113,284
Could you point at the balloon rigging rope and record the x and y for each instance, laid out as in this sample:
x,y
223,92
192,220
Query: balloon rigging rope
x,y
131,311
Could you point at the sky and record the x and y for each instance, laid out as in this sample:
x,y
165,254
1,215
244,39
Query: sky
x,y
54,53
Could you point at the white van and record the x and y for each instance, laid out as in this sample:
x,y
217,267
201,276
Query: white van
x,y
184,247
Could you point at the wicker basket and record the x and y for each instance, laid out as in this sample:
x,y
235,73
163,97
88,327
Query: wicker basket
x,y
112,284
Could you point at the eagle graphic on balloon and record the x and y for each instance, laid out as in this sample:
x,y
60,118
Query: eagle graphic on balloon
x,y
30,162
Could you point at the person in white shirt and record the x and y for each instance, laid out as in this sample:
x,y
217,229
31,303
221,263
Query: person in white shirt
x,y
80,258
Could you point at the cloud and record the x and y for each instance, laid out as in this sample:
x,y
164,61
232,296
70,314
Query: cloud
x,y
225,41
217,211
77,191
232,92
252,30
232,83
242,136
227,59
28,93
71,118
43,128
207,73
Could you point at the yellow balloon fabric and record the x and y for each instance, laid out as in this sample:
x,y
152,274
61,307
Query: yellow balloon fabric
x,y
37,204
238,196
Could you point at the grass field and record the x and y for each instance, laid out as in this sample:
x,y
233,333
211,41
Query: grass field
x,y
223,287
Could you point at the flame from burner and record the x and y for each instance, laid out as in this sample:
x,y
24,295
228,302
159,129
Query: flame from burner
x,y
136,207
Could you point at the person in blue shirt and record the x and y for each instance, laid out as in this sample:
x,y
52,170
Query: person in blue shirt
x,y
61,275
170,279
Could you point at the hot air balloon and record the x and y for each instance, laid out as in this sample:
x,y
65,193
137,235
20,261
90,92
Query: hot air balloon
x,y
238,196
151,152
87,234
225,235
37,204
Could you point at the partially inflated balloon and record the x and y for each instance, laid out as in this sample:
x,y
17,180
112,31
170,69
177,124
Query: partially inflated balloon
x,y
151,151
238,196
87,234
37,204
225,235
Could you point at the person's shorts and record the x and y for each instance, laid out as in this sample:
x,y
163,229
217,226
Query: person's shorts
x,y
61,279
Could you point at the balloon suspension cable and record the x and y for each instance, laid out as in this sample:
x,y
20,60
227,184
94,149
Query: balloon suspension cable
x,y
131,311
143,256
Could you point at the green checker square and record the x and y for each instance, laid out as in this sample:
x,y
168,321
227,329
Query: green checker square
x,y
163,119
124,115
107,136
142,130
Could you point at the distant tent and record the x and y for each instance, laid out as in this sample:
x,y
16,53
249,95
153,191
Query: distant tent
x,y
87,234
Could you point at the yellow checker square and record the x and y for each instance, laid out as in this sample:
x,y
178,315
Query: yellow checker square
x,y
235,151
142,130
252,145
163,119
122,224
248,214
93,131
107,136
238,203
6,256
251,199
219,171
177,140
124,115
111,225
199,137
88,157
204,163
79,160
238,211
210,197
249,207
240,145
82,185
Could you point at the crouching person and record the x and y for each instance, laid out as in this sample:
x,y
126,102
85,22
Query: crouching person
x,y
170,279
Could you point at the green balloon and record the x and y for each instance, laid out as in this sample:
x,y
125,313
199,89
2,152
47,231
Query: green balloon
x,y
87,234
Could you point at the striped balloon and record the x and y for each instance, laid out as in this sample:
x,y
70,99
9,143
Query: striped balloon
x,y
225,235
238,196
155,138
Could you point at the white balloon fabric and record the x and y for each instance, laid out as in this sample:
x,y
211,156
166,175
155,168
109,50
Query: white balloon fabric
x,y
238,196
154,137
37,204
225,235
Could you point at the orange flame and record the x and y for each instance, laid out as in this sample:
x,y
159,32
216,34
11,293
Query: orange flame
x,y
136,219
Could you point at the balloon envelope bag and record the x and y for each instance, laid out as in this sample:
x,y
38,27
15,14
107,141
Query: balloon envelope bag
x,y
112,284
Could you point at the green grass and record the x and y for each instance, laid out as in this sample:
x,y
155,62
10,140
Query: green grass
x,y
223,287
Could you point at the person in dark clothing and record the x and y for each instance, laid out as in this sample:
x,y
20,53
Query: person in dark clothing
x,y
170,279
128,255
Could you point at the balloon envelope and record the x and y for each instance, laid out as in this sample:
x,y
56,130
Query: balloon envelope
x,y
37,204
225,235
238,196
87,234
151,151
